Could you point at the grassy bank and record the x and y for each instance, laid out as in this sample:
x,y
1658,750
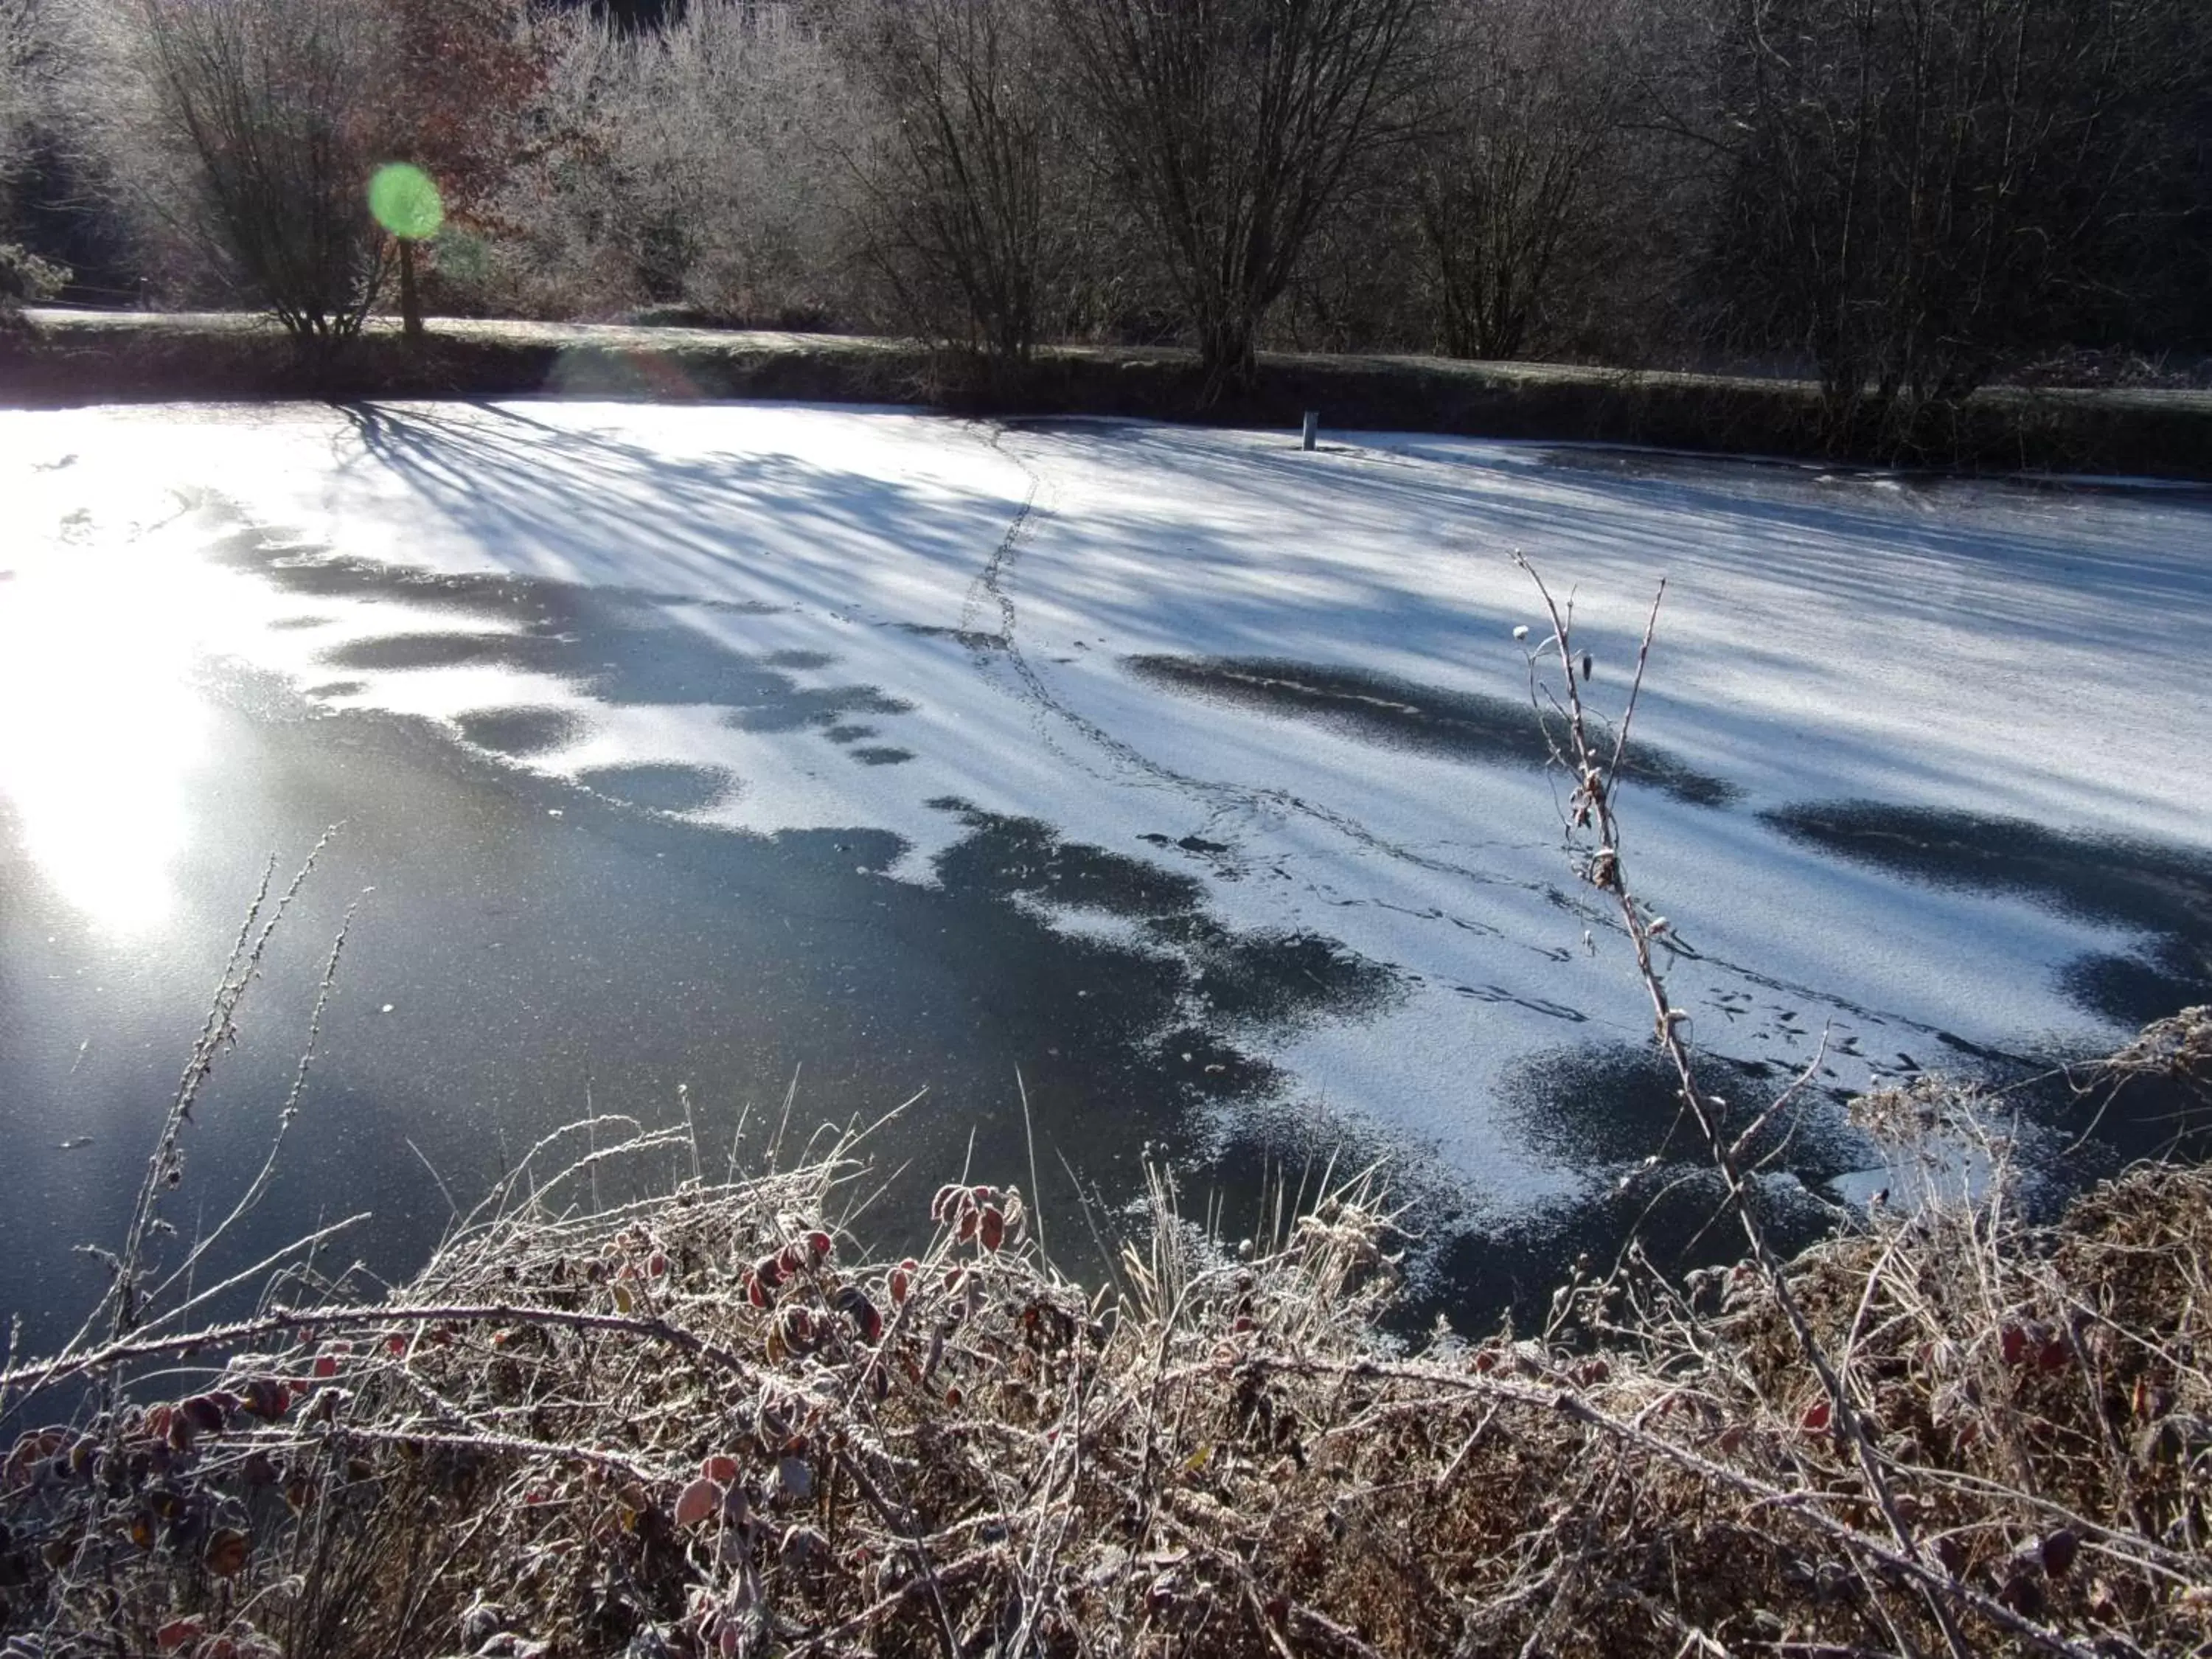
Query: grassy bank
x,y
69,358
704,1425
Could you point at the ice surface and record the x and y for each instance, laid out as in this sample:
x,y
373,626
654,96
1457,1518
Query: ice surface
x,y
832,617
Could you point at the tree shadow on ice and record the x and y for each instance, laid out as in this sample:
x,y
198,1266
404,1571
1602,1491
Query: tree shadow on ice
x,y
599,507
616,645
2073,569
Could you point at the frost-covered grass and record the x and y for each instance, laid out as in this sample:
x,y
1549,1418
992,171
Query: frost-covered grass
x,y
705,1424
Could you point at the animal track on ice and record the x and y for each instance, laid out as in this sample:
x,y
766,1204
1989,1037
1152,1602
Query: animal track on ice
x,y
989,592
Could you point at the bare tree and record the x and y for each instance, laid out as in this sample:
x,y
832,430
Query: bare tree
x,y
975,220
248,129
1230,126
1523,103
1913,187
22,83
26,67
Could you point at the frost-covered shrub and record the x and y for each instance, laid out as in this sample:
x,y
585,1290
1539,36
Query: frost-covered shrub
x,y
704,166
26,279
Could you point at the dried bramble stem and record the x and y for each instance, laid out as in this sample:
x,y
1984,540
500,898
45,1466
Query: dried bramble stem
x,y
1592,805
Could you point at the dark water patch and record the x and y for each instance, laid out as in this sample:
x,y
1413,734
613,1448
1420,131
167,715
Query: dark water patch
x,y
1274,978
795,709
520,731
1399,713
801,661
2165,976
882,755
1212,1069
848,733
2164,892
1614,1113
2088,1126
1599,1108
1005,857
294,624
397,653
337,689
1241,980
660,788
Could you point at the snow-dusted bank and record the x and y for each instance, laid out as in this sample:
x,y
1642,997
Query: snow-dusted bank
x,y
1923,756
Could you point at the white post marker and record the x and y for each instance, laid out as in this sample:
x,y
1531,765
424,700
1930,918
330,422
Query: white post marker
x,y
1313,425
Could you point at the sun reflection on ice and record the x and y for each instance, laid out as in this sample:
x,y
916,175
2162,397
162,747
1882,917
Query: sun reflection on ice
x,y
99,725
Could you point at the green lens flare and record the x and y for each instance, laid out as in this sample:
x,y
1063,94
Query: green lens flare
x,y
404,200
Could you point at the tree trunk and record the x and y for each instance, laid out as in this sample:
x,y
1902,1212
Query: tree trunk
x,y
1225,352
410,301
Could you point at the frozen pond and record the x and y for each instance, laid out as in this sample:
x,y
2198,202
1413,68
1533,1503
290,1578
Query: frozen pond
x,y
1188,774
